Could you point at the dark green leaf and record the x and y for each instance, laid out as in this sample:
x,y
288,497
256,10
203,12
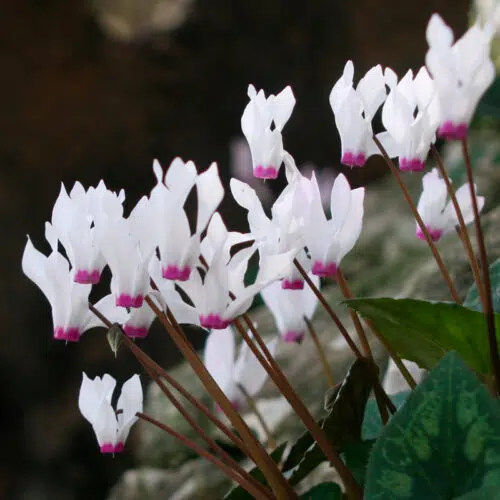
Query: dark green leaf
x,y
472,301
239,493
342,425
356,457
323,491
372,423
424,331
485,493
444,442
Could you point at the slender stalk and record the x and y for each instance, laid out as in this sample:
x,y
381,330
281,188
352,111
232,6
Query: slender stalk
x,y
463,232
346,292
321,352
488,306
268,362
196,427
420,222
329,310
271,443
275,478
232,474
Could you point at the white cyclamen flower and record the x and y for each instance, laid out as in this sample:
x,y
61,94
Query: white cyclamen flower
x,y
354,111
410,117
179,249
289,307
329,240
279,234
230,372
111,428
438,216
127,246
68,300
262,123
73,223
462,72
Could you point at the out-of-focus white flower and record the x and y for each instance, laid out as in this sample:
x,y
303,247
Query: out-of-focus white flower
x,y
488,13
462,72
410,117
354,111
127,246
111,428
228,372
68,300
289,307
262,123
440,217
73,224
276,235
179,249
329,240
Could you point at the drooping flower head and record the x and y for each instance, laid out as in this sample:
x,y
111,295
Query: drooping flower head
x,y
440,217
262,123
410,116
462,72
354,110
231,372
329,240
289,307
111,428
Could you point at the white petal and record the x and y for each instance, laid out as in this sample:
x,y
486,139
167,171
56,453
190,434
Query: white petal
x,y
210,194
219,356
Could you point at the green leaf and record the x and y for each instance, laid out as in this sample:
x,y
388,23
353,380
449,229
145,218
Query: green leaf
x,y
485,493
472,301
239,493
372,423
424,331
323,491
342,425
443,443
356,457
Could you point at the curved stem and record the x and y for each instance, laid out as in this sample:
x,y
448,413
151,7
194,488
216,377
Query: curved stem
x,y
444,272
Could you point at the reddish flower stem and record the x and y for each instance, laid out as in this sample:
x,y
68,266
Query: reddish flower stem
x,y
231,473
488,305
435,252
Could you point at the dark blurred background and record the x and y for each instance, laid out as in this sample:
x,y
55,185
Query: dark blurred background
x,y
97,90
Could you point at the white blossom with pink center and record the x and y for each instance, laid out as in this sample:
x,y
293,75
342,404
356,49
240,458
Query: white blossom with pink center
x,y
438,216
289,307
410,116
462,72
329,240
68,300
110,427
73,223
262,123
231,371
354,110
179,249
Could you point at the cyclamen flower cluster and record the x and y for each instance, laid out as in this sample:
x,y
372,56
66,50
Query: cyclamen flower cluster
x,y
198,275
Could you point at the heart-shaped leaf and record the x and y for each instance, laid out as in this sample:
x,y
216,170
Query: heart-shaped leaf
x,y
443,443
472,301
424,331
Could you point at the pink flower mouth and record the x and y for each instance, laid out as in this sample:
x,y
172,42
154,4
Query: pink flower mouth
x,y
353,160
214,321
85,277
262,172
450,130
67,334
292,285
324,270
176,273
126,300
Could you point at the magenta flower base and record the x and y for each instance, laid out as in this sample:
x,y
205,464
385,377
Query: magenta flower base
x,y
214,321
411,165
353,160
448,130
138,332
265,173
176,273
324,270
85,277
67,334
126,300
111,448
292,285
293,337
435,234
